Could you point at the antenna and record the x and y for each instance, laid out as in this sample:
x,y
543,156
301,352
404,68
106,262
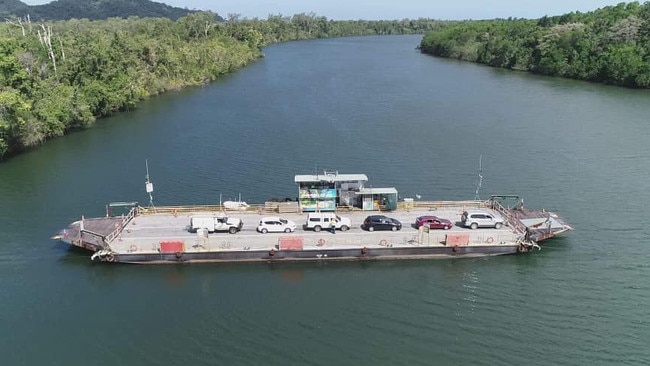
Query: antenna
x,y
480,178
148,186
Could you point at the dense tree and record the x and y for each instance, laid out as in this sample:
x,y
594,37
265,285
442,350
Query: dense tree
x,y
609,45
59,76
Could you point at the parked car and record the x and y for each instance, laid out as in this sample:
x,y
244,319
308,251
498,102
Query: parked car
x,y
216,223
433,222
275,225
380,222
321,220
481,218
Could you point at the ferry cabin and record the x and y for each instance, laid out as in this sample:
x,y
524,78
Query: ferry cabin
x,y
327,191
382,199
324,192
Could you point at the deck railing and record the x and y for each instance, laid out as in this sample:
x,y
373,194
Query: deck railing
x,y
125,220
270,208
434,205
194,208
512,221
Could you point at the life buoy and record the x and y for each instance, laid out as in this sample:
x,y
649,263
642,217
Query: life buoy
x,y
179,254
364,251
490,240
383,242
271,252
110,258
521,249
455,248
133,248
175,212
321,242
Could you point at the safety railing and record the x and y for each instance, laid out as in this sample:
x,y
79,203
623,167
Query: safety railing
x,y
271,208
435,205
177,210
512,221
118,229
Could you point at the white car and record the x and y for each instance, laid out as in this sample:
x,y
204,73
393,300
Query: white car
x,y
275,225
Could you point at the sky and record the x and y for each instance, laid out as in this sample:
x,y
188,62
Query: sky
x,y
390,9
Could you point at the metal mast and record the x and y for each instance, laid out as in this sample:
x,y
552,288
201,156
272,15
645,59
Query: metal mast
x,y
480,178
148,185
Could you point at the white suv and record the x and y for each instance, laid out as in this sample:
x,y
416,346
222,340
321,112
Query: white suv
x,y
275,225
321,220
481,218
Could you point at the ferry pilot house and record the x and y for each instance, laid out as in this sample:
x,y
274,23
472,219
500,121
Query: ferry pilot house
x,y
330,190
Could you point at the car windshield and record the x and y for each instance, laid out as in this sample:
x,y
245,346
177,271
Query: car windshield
x,y
284,221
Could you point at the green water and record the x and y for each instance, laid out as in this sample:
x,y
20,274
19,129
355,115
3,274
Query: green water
x,y
369,105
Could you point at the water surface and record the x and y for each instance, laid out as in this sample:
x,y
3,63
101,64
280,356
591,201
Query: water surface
x,y
370,105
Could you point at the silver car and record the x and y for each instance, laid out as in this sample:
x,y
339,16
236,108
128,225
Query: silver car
x,y
481,218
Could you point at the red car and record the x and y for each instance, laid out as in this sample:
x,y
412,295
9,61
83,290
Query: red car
x,y
433,222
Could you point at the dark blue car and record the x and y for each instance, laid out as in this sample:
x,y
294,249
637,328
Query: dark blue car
x,y
380,222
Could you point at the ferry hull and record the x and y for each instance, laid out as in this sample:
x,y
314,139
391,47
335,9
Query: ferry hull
x,y
356,254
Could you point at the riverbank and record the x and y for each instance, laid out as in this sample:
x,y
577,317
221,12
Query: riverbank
x,y
607,45
90,70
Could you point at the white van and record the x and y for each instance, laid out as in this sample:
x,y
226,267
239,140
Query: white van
x,y
321,220
219,223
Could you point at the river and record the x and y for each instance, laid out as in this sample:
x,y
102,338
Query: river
x,y
371,105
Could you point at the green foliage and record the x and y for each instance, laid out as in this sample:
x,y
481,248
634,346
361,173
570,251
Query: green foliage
x,y
14,118
12,73
103,67
609,45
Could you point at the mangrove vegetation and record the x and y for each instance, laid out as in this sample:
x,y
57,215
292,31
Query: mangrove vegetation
x,y
59,76
609,45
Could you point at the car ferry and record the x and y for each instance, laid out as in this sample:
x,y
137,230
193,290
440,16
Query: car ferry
x,y
175,234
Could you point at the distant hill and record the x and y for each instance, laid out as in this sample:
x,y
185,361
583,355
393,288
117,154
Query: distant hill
x,y
91,9
11,7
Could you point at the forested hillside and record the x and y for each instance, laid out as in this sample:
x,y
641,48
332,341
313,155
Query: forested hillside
x,y
90,9
610,45
55,77
11,7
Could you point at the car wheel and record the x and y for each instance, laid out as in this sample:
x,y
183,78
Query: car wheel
x,y
394,228
371,228
498,225
316,228
264,231
232,230
474,226
287,230
447,227
344,228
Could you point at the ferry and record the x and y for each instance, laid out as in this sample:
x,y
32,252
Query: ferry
x,y
132,233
